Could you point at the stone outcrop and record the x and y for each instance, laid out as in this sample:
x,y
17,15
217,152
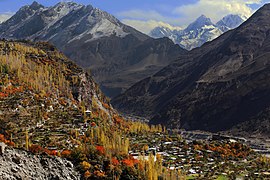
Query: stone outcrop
x,y
19,164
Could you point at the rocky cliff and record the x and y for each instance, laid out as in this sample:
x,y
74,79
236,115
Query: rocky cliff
x,y
19,164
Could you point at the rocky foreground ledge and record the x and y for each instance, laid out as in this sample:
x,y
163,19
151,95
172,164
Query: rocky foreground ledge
x,y
19,164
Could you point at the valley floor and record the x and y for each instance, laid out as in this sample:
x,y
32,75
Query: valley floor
x,y
201,155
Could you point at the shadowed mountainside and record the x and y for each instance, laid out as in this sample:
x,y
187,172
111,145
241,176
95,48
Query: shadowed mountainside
x,y
216,87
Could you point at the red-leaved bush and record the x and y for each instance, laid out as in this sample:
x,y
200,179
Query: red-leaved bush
x,y
100,149
115,162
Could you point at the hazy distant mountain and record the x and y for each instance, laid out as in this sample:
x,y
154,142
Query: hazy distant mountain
x,y
222,85
199,32
162,31
230,22
117,55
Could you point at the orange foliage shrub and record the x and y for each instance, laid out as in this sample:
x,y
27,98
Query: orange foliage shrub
x,y
4,140
51,152
230,150
118,120
95,114
35,149
128,162
87,174
10,90
198,147
85,165
65,153
136,161
100,149
105,105
46,116
10,143
99,173
115,162
3,95
93,124
62,102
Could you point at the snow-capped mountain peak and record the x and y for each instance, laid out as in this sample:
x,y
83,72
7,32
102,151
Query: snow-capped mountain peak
x,y
31,9
199,31
162,31
63,19
68,6
21,16
36,6
99,14
165,32
55,13
199,23
230,21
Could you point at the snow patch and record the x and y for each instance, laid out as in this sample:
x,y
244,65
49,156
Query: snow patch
x,y
103,28
61,9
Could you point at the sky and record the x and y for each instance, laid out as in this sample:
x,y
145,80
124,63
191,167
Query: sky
x,y
145,15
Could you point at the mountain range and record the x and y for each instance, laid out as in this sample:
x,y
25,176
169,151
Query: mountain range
x,y
117,55
56,123
221,86
199,32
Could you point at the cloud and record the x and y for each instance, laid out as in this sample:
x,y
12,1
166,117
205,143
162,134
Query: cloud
x,y
149,15
5,16
141,15
216,9
253,2
147,26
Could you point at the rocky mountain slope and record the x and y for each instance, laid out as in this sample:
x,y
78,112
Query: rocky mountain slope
x,y
223,84
199,32
117,55
18,164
